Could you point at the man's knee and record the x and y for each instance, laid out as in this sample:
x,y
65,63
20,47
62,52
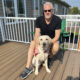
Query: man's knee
x,y
55,47
32,44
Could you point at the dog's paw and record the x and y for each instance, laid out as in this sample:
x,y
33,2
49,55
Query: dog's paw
x,y
36,72
48,70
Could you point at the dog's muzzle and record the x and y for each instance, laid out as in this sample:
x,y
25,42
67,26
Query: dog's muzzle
x,y
44,44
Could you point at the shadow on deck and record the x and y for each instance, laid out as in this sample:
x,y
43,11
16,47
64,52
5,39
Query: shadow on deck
x,y
13,57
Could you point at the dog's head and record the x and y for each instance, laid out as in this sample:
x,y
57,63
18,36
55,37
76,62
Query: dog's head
x,y
44,41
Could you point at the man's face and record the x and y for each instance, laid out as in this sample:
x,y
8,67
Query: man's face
x,y
48,11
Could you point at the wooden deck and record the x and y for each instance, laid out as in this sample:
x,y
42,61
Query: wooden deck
x,y
13,57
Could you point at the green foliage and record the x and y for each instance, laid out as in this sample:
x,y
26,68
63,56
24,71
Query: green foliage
x,y
74,10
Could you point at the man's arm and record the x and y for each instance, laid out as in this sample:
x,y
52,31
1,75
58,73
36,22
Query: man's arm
x,y
57,35
37,34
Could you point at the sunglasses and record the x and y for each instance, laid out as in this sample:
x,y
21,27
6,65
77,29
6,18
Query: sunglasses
x,y
47,10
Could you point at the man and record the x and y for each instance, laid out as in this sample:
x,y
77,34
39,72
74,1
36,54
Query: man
x,y
50,25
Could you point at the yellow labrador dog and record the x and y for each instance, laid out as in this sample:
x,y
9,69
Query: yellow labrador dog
x,y
44,43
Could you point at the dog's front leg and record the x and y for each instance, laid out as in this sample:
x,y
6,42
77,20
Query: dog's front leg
x,y
36,67
46,66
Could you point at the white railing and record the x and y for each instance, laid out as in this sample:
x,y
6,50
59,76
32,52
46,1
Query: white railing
x,y
73,27
69,16
20,29
2,31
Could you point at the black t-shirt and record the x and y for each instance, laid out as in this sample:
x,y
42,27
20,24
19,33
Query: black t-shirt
x,y
48,29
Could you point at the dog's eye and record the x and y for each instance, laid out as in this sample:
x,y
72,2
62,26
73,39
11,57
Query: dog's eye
x,y
46,39
40,39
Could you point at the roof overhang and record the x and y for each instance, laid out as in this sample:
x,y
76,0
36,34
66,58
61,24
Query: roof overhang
x,y
63,2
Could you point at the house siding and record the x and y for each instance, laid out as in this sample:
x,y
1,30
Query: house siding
x,y
60,9
1,15
0,36
29,8
41,8
1,9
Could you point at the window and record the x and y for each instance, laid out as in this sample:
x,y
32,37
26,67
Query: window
x,y
36,8
63,10
21,9
56,8
9,8
14,8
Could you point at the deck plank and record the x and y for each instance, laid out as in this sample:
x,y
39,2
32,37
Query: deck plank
x,y
11,64
10,55
75,72
15,75
11,60
69,68
54,67
13,57
18,60
61,68
8,48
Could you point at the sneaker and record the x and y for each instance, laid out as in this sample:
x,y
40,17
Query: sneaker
x,y
25,73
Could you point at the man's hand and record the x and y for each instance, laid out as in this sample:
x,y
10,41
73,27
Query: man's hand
x,y
52,41
36,50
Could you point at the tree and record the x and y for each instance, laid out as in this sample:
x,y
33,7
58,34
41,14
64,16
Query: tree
x,y
74,10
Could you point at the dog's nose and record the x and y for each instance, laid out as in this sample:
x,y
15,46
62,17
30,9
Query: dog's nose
x,y
44,44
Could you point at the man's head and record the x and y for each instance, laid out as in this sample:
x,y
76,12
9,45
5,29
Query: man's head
x,y
48,10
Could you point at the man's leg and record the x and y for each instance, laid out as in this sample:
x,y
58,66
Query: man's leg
x,y
28,69
55,48
30,54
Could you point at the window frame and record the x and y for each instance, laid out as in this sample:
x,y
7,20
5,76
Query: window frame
x,y
15,8
34,8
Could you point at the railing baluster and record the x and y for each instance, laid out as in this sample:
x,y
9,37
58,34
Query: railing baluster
x,y
33,29
78,36
24,30
27,30
18,30
10,30
30,30
14,30
16,33
70,34
6,28
4,25
74,35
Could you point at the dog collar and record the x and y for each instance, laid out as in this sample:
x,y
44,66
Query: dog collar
x,y
35,53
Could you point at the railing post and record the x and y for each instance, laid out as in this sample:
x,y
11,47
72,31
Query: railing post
x,y
2,31
79,44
